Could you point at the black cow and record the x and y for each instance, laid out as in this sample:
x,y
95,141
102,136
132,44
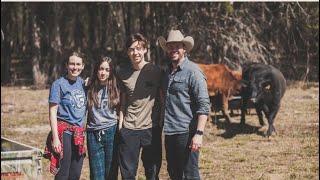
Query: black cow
x,y
265,86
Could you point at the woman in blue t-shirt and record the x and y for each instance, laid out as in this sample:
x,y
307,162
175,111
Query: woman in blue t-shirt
x,y
103,102
67,110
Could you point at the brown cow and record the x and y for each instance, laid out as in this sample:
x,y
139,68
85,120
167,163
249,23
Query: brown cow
x,y
222,81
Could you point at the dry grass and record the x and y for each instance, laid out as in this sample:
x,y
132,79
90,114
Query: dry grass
x,y
229,152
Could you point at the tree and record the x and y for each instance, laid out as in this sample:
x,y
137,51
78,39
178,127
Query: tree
x,y
39,76
284,34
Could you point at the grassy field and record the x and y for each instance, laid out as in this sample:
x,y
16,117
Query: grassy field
x,y
229,152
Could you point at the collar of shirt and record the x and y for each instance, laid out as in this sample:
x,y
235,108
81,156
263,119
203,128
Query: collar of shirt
x,y
181,65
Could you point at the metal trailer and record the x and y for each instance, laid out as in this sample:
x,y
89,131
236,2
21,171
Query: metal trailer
x,y
20,161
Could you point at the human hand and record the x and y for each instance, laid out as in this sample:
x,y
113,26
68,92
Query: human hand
x,y
196,143
87,81
56,145
120,126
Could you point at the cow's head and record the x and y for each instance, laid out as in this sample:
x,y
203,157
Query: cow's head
x,y
238,86
239,83
260,87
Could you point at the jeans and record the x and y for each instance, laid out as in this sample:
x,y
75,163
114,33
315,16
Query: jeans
x,y
102,158
130,143
71,163
182,162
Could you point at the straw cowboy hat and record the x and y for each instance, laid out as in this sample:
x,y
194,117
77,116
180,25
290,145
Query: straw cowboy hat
x,y
176,36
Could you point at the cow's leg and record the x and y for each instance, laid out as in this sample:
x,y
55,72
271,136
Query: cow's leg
x,y
209,117
213,111
225,108
259,108
250,105
210,112
259,113
231,112
216,119
271,116
243,109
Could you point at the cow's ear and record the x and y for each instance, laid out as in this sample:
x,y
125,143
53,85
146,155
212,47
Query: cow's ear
x,y
267,87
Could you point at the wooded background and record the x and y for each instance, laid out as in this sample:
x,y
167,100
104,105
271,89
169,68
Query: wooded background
x,y
36,36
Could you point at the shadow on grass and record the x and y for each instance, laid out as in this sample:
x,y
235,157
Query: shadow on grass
x,y
232,129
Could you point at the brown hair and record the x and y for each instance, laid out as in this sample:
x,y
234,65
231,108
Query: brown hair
x,y
137,37
112,86
77,53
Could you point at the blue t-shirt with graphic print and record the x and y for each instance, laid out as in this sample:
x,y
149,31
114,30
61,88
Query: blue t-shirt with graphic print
x,y
71,99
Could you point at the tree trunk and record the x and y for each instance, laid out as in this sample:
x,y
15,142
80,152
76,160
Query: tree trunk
x,y
5,60
6,10
108,22
56,44
39,78
119,38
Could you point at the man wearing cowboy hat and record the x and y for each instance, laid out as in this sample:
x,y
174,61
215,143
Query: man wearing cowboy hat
x,y
187,107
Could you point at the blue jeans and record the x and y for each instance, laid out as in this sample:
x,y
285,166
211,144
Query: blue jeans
x,y
182,162
102,158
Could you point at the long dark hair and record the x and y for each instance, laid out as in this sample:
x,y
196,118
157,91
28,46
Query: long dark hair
x,y
112,85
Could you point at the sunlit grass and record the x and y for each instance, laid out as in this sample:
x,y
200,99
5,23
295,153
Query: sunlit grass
x,y
291,154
